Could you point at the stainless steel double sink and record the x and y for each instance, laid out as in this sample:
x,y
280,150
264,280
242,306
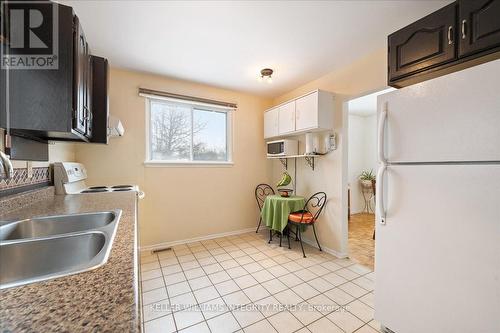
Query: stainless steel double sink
x,y
44,248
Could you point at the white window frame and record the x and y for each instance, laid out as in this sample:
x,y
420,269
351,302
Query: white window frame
x,y
165,163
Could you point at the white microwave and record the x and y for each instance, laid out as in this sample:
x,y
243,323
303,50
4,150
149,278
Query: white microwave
x,y
283,147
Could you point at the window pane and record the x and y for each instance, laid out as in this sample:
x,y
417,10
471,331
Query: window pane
x,y
209,135
170,131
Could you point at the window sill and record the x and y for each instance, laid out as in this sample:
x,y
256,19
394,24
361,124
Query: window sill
x,y
201,164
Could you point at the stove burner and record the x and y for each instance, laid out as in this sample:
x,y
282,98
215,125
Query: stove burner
x,y
121,186
97,187
94,190
122,189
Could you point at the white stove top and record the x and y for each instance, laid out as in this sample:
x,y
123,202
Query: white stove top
x,y
69,178
108,189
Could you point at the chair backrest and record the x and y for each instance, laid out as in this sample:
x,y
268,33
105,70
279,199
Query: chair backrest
x,y
261,192
315,204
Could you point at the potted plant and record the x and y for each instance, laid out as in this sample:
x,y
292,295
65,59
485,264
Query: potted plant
x,y
366,178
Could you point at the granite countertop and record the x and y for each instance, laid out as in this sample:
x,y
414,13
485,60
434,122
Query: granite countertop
x,y
103,299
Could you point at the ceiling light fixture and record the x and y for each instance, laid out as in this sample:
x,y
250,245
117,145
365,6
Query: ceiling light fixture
x,y
266,75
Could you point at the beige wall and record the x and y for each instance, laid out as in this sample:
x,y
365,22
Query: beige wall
x,y
181,202
330,175
61,152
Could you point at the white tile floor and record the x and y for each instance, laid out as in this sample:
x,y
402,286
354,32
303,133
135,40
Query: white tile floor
x,y
243,284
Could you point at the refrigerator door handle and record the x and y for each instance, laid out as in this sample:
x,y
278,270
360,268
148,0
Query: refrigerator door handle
x,y
381,134
380,193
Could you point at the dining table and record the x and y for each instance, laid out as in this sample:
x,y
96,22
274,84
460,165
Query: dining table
x,y
276,209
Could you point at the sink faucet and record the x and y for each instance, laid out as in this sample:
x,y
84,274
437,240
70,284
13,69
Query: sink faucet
x,y
6,165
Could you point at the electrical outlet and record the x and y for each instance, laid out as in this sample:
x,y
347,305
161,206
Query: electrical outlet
x,y
333,142
29,169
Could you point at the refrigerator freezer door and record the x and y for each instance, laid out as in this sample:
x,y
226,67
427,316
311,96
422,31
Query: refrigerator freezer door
x,y
452,118
437,259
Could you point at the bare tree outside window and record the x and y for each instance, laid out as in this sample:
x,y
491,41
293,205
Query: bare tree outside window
x,y
182,132
209,142
170,132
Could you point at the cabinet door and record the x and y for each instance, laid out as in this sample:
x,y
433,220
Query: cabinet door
x,y
88,93
286,119
99,105
306,112
79,86
424,44
271,123
479,25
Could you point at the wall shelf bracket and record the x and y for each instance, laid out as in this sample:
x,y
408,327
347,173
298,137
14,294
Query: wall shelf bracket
x,y
284,161
310,161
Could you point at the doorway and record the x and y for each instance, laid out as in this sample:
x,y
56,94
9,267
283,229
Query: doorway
x,y
361,177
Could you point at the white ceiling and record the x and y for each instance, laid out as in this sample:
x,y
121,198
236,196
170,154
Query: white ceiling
x,y
366,106
225,43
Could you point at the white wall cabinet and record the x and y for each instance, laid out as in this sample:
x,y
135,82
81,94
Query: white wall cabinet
x,y
286,123
308,113
271,123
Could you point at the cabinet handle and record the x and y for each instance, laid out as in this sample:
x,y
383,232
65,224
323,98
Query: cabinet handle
x,y
464,29
450,35
87,113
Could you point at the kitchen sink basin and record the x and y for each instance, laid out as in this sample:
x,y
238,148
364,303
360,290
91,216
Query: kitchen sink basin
x,y
54,225
37,258
39,249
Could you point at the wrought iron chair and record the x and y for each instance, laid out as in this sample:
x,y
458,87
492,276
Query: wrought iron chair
x,y
261,192
307,216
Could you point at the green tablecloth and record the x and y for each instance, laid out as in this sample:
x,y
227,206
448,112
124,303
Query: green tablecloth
x,y
276,210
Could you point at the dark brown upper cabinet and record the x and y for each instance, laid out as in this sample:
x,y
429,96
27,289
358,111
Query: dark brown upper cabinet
x,y
82,85
462,34
100,104
426,43
39,102
479,25
57,103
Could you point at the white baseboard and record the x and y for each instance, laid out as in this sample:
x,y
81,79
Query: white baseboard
x,y
336,253
232,233
195,239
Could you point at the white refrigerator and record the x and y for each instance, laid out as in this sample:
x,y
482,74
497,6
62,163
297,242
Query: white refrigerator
x,y
437,252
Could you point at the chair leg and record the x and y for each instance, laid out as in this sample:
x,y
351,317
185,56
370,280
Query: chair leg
x,y
296,233
281,237
270,236
288,237
317,241
300,239
260,221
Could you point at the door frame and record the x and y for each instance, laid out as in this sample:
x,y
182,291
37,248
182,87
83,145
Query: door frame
x,y
345,163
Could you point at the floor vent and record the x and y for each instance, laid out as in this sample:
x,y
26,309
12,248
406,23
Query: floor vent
x,y
161,249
